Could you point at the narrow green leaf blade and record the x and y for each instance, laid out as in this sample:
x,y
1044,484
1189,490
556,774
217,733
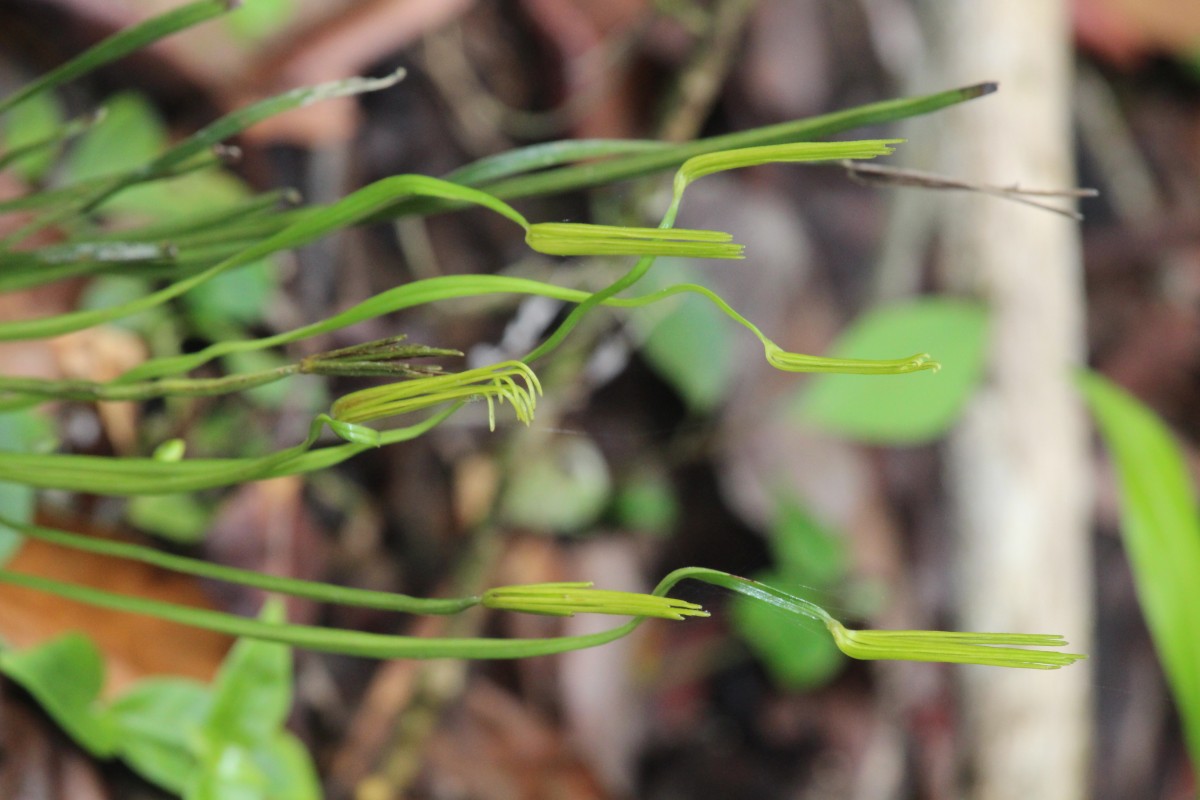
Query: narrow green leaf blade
x,y
901,409
1161,531
121,44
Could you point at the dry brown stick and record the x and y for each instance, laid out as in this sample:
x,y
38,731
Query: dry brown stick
x,y
881,175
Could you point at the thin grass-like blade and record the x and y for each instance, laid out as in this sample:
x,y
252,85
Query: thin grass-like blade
x,y
121,44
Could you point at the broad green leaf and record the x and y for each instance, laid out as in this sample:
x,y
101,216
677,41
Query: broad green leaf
x,y
30,123
130,135
797,658
1161,531
253,690
691,345
20,432
562,487
65,675
158,725
901,409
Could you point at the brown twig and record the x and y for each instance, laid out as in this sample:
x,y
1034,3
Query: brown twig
x,y
879,175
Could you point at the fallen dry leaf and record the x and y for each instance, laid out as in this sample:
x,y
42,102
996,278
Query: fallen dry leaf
x,y
134,646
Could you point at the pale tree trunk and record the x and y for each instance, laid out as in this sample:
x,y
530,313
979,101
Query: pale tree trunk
x,y
1017,464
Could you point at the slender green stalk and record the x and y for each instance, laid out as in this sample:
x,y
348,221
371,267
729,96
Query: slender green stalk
x,y
148,476
311,590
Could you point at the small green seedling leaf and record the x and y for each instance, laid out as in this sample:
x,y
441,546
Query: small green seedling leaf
x,y
288,768
157,722
244,751
904,409
65,675
1161,531
253,690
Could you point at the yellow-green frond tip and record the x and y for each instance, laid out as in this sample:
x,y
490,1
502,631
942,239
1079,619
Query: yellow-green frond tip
x,y
1013,650
792,153
569,599
582,239
511,382
798,362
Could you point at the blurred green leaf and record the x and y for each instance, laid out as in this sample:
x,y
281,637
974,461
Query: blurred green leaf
x,y
130,135
561,487
31,122
177,517
158,720
253,690
646,502
261,18
20,432
229,773
176,200
65,675
232,298
288,768
805,550
901,409
108,290
246,752
1161,530
690,345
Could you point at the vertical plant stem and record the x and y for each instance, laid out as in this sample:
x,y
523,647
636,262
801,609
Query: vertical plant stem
x,y
1018,463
